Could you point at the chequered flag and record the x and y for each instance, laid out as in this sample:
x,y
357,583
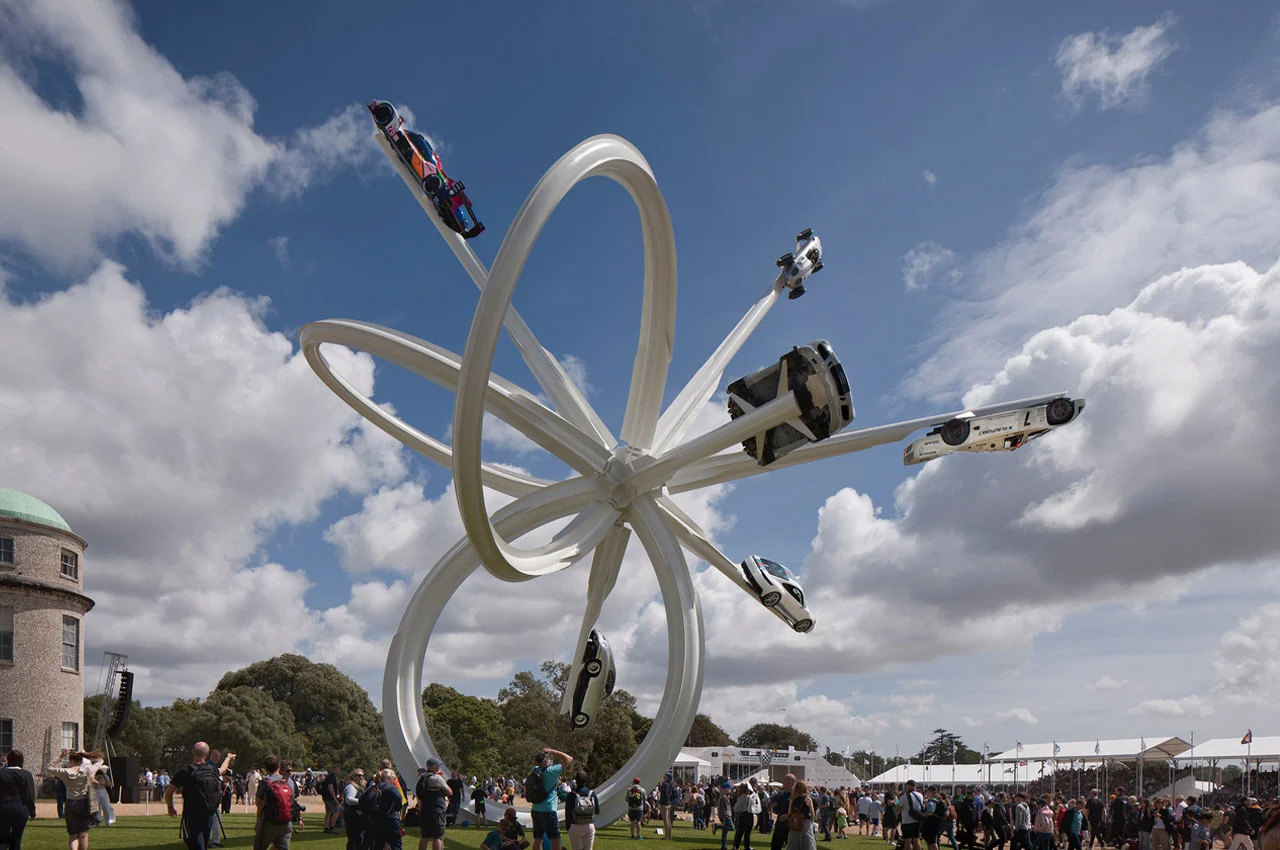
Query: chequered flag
x,y
766,757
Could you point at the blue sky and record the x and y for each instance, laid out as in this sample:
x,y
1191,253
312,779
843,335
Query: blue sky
x,y
952,139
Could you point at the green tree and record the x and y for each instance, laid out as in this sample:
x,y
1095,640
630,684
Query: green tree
x,y
705,733
939,750
776,737
247,722
147,733
476,726
332,712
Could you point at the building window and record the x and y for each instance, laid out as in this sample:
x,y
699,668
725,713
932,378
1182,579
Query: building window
x,y
71,736
70,564
6,634
6,734
70,644
6,550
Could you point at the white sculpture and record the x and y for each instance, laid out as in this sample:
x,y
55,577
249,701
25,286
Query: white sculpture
x,y
619,485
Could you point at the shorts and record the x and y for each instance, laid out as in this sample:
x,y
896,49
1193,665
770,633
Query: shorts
x,y
863,818
478,808
77,816
545,823
911,830
281,834
635,815
875,821
332,807
432,825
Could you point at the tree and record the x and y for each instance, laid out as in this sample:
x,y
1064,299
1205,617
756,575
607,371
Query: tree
x,y
774,736
705,733
148,733
940,749
247,722
474,724
330,710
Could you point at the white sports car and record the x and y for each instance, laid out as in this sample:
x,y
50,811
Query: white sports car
x,y
815,375
779,591
595,681
998,432
798,265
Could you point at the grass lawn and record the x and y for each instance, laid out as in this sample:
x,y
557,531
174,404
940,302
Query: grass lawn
x,y
158,832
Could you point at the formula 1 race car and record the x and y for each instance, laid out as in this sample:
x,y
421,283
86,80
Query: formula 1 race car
x,y
804,261
778,590
595,681
998,432
822,391
447,195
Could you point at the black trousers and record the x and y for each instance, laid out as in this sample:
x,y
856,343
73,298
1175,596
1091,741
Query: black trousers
x,y
12,825
742,822
778,840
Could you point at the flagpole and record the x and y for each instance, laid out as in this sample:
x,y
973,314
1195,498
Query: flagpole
x,y
1247,759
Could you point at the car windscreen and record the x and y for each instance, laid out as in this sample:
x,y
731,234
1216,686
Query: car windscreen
x,y
775,569
420,142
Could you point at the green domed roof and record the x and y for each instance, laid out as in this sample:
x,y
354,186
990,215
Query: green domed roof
x,y
29,508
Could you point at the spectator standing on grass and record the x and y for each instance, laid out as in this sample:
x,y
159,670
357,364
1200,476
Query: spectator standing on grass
x,y
1022,823
478,798
666,804
201,786
745,806
635,809
999,822
17,800
1044,826
546,822
82,807
1094,809
385,821
1073,824
457,790
435,797
864,814
875,812
275,804
580,811
802,828
780,804
910,810
331,794
1247,824
351,817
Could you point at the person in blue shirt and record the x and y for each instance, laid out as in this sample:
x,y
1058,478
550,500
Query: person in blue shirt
x,y
546,822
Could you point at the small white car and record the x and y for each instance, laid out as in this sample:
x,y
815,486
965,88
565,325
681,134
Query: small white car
x,y
998,432
596,679
778,590
799,264
815,375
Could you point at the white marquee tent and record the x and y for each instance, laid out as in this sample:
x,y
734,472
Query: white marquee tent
x,y
1262,749
1148,748
964,774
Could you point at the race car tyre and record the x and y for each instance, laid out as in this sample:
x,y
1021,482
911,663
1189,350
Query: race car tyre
x,y
580,720
786,260
803,626
770,599
804,234
383,114
1059,411
593,667
431,183
796,293
817,267
955,431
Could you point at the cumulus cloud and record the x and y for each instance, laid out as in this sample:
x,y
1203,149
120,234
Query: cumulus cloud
x,y
1018,715
924,263
279,246
1107,684
148,151
1114,68
928,177
175,444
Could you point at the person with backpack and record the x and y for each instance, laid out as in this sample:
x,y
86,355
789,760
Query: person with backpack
x,y
351,820
273,826
539,790
802,831
201,786
910,810
635,808
385,815
434,795
580,812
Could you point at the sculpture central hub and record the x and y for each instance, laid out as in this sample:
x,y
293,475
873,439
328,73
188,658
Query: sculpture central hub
x,y
621,466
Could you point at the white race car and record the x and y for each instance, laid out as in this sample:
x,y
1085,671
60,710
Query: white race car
x,y
799,264
779,591
998,432
815,375
596,679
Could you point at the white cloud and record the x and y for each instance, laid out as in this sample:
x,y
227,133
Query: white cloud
x,y
279,246
1106,684
923,263
928,177
149,152
970,722
913,705
175,444
342,140
576,368
1113,68
1018,715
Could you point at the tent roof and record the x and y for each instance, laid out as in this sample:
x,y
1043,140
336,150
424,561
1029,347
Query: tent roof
x,y
1149,747
1266,749
966,774
689,760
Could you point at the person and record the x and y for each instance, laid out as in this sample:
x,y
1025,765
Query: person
x,y
17,800
635,809
890,823
201,791
351,818
802,831
875,810
273,826
1094,809
697,805
666,804
546,823
1000,823
435,796
1072,824
82,806
1044,825
864,814
1247,824
251,784
826,811
513,834
745,808
478,798
102,786
780,804
934,815
946,814
331,794
580,812
1198,833
1022,823
910,808
385,821
456,788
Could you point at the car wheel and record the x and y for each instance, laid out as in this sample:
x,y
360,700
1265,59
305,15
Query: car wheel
x,y
594,666
804,234
955,431
817,267
383,114
431,183
786,260
1059,411
796,292
580,720
770,599
804,626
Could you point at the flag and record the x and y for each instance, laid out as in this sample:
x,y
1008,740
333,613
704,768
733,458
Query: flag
x,y
766,757
1248,737
1142,744
1097,747
953,753
1022,763
1019,747
1056,748
866,761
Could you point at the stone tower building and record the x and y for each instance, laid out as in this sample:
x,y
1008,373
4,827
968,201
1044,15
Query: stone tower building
x,y
42,608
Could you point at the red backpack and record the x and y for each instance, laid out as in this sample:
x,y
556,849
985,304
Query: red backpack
x,y
278,804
